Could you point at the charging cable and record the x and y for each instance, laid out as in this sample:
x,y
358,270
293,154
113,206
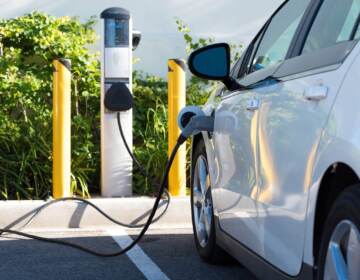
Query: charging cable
x,y
77,199
135,241
195,125
141,168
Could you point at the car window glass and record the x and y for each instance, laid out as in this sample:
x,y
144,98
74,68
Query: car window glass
x,y
236,69
279,34
333,24
254,48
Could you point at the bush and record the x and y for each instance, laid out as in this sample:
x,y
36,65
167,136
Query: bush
x,y
150,128
150,115
31,43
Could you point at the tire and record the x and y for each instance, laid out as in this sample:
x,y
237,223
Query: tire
x,y
341,237
207,248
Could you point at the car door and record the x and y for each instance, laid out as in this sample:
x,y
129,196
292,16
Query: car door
x,y
236,125
292,114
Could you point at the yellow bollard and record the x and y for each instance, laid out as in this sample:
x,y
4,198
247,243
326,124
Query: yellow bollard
x,y
176,101
62,128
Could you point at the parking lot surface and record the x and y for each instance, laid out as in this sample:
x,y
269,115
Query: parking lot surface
x,y
162,254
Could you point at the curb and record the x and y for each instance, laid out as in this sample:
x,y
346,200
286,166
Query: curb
x,y
70,215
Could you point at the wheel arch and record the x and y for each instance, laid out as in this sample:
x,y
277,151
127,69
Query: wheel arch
x,y
338,177
194,142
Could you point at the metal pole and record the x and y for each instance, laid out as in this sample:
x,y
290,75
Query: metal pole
x,y
62,128
176,101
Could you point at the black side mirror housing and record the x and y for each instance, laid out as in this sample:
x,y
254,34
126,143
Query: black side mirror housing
x,y
213,63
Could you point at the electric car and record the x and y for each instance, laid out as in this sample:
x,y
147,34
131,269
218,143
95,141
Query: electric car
x,y
276,185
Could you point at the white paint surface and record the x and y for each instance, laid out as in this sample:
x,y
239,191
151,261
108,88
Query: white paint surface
x,y
147,267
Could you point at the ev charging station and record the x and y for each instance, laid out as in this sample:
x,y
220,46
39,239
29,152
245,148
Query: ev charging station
x,y
116,68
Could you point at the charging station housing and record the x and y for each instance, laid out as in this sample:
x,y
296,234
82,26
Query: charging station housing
x,y
116,66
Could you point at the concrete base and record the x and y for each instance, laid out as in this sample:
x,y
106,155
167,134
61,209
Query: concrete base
x,y
69,214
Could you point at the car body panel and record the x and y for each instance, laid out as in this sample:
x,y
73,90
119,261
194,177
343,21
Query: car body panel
x,y
290,129
236,162
257,265
340,142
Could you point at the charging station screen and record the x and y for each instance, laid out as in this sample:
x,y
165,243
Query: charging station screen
x,y
116,33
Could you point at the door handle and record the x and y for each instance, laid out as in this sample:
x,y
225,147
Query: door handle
x,y
253,105
316,93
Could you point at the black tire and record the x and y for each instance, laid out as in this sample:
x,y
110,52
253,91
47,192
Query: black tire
x,y
211,252
345,208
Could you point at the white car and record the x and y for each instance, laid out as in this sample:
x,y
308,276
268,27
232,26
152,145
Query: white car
x,y
276,185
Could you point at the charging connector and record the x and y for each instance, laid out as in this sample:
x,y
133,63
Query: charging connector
x,y
196,125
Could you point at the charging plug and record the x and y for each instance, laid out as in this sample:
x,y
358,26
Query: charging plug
x,y
196,125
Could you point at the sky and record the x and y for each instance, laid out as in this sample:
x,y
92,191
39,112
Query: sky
x,y
232,21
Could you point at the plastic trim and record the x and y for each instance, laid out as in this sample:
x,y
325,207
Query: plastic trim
x,y
322,58
115,12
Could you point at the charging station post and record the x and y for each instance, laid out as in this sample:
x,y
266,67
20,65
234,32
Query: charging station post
x,y
176,102
61,128
116,67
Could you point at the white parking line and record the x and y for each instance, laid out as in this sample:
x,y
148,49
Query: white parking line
x,y
150,270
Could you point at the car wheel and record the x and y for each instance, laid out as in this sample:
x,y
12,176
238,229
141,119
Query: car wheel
x,y
202,209
340,245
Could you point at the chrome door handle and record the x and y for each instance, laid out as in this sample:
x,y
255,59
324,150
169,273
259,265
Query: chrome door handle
x,y
253,105
316,93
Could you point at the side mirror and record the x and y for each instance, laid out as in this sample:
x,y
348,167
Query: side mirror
x,y
213,63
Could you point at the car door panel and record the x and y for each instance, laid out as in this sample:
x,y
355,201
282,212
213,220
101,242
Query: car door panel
x,y
289,131
236,157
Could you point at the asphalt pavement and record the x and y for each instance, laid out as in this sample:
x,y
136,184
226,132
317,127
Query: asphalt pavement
x,y
163,254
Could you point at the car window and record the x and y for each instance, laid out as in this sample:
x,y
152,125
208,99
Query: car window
x,y
279,34
254,48
334,24
236,69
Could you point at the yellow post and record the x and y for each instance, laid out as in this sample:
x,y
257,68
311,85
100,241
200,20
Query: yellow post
x,y
176,101
61,128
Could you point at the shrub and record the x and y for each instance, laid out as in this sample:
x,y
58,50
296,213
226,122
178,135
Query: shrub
x,y
150,112
31,42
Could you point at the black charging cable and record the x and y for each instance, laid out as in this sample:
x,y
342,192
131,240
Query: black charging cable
x,y
142,171
163,185
151,219
196,124
140,166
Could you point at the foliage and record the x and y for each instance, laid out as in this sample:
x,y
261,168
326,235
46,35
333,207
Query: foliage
x,y
150,115
150,112
31,43
150,128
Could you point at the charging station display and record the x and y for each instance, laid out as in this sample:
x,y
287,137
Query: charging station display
x,y
116,33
